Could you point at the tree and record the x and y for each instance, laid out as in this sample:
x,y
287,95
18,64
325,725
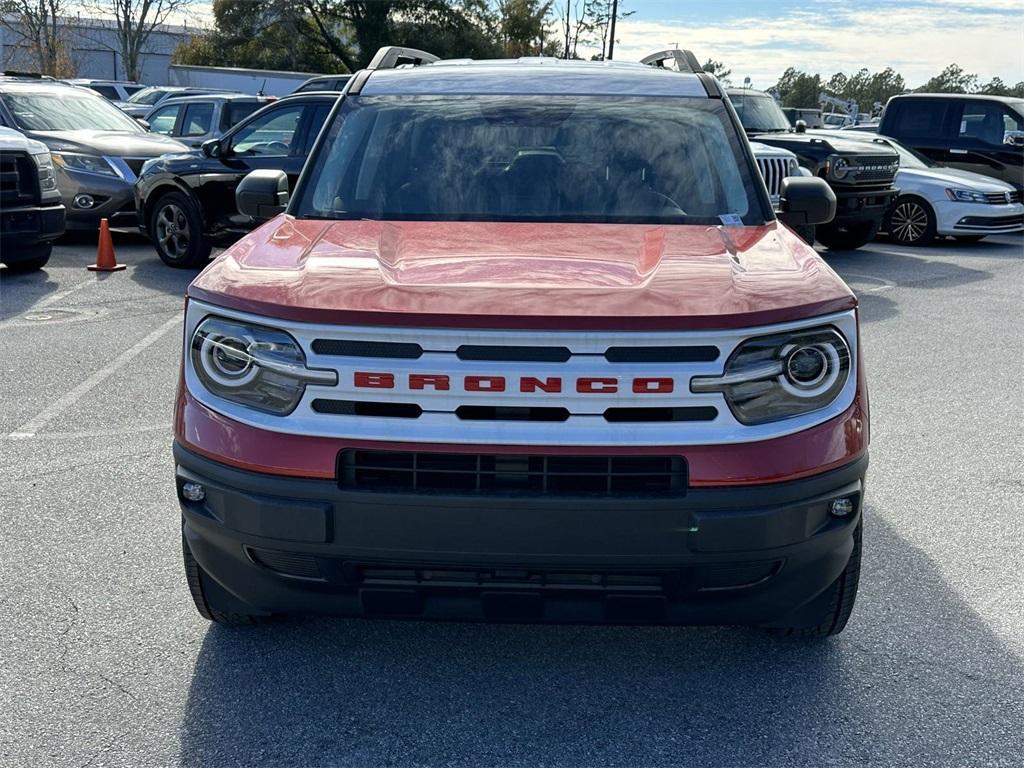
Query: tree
x,y
953,79
449,28
39,26
135,21
275,34
798,89
523,26
718,69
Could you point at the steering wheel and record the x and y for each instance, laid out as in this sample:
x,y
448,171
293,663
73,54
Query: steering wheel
x,y
666,202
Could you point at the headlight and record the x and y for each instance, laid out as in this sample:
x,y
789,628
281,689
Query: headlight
x,y
788,374
44,166
839,167
966,196
253,365
84,163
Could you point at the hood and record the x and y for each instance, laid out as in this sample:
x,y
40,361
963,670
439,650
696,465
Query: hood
x,y
14,141
838,145
523,275
113,143
954,177
763,150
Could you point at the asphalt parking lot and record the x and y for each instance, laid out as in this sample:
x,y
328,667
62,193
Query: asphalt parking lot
x,y
103,660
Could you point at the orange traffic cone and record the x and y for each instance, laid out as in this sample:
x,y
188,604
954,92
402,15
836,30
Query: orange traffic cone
x,y
105,260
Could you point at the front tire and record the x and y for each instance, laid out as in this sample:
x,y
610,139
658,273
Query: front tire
x,y
911,222
833,607
847,237
207,594
36,260
176,229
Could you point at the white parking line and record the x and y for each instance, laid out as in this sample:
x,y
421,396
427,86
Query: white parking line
x,y
44,417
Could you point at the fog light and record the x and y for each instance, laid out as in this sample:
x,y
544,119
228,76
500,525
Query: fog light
x,y
193,491
83,201
841,507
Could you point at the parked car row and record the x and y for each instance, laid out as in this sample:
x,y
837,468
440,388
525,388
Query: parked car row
x,y
939,166
958,173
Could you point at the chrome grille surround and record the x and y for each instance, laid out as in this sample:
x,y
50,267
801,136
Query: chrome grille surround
x,y
586,424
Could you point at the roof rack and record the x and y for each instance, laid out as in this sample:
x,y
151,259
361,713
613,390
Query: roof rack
x,y
684,60
393,56
25,75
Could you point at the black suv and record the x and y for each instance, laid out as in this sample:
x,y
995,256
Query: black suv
x,y
31,214
862,178
186,202
984,134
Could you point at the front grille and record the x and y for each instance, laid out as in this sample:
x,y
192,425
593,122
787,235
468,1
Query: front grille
x,y
873,170
410,471
18,179
381,349
702,354
774,170
1002,198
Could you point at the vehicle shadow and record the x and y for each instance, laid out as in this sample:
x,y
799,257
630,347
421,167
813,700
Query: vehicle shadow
x,y
20,291
876,268
917,678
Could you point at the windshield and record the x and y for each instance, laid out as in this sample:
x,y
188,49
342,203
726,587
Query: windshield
x,y
149,96
531,158
69,110
759,112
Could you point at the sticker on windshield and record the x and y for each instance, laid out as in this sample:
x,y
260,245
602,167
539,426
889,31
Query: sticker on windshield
x,y
731,220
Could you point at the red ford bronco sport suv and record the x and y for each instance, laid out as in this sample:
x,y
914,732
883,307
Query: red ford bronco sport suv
x,y
527,343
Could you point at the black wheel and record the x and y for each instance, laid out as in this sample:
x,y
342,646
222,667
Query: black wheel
x,y
833,607
177,232
911,222
969,238
847,237
210,598
35,258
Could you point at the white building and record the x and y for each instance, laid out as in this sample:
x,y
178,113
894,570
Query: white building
x,y
94,50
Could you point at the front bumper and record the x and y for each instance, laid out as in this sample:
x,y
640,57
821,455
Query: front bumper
x,y
977,219
743,555
27,226
859,205
114,200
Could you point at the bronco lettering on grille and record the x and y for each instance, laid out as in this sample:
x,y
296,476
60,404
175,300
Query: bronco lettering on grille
x,y
640,385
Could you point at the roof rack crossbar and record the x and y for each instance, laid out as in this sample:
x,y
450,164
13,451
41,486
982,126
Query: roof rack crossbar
x,y
683,59
393,56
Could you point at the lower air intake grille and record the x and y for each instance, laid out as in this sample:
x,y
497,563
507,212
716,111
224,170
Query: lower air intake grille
x,y
408,471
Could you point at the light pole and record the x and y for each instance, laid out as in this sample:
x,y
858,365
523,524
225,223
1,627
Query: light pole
x,y
611,35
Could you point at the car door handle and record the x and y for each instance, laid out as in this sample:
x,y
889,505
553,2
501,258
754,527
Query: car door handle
x,y
958,151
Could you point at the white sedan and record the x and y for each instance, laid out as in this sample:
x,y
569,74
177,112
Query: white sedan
x,y
935,200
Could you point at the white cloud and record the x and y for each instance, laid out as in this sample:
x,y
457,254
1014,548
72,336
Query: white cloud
x,y
916,42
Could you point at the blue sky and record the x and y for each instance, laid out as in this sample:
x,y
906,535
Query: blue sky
x,y
761,38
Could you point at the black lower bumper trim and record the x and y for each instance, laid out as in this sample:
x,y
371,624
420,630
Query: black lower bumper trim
x,y
722,555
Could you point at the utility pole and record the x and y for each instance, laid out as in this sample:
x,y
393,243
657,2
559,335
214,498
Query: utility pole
x,y
611,35
568,11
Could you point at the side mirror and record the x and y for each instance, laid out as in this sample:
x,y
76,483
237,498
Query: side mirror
x,y
801,126
1013,138
212,148
263,194
144,123
805,201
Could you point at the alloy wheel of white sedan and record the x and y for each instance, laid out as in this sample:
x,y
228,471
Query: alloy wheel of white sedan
x,y
912,222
